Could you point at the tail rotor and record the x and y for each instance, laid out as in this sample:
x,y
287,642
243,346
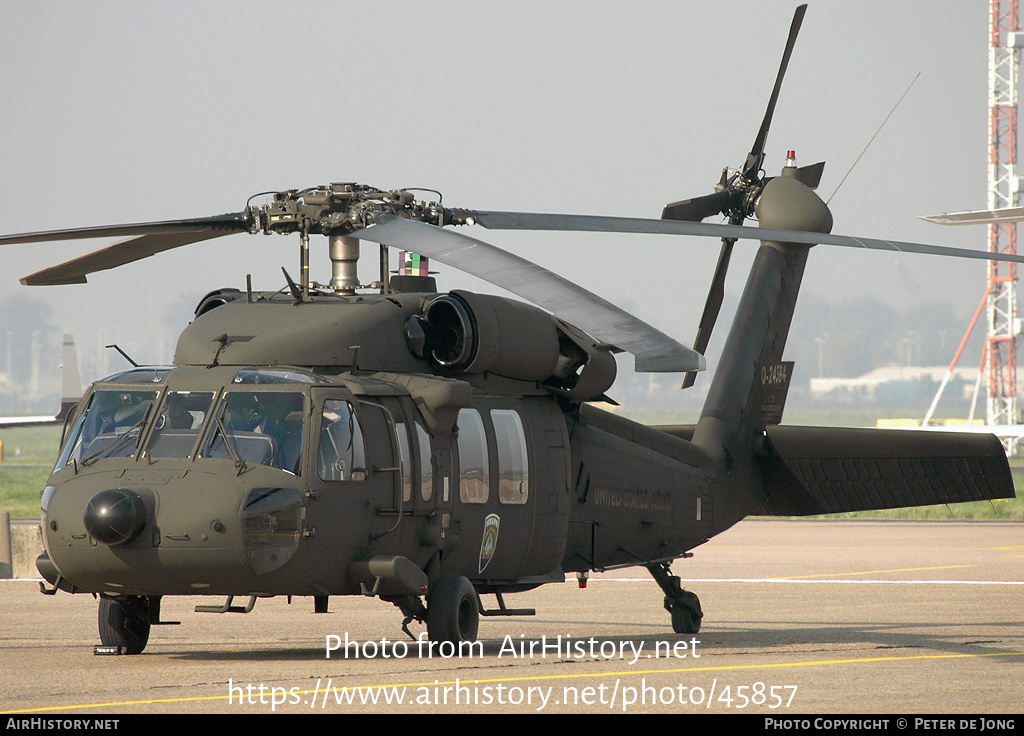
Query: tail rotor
x,y
735,198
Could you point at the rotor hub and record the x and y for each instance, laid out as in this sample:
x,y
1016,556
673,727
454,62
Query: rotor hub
x,y
340,209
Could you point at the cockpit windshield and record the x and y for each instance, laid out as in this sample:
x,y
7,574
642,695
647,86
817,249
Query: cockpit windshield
x,y
251,427
110,426
177,427
258,427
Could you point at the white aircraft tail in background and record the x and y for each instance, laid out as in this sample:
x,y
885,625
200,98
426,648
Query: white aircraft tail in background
x,y
70,392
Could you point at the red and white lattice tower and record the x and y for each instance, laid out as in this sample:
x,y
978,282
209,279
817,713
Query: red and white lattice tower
x,y
1003,191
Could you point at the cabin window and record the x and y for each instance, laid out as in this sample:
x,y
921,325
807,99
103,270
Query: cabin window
x,y
407,467
342,454
426,464
424,480
109,427
259,428
513,468
176,431
474,478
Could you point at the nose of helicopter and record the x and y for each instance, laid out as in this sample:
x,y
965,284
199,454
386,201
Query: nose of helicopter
x,y
115,517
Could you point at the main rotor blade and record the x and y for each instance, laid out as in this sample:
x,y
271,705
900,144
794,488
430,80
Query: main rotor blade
x,y
654,351
152,238
233,222
603,224
978,217
756,155
118,254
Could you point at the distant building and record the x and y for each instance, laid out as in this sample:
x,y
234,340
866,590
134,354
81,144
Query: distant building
x,y
901,383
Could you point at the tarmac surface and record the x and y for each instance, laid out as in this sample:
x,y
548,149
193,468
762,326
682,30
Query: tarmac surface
x,y
819,617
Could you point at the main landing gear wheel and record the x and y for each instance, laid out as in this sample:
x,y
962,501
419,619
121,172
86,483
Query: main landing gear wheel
x,y
124,622
683,605
685,618
453,610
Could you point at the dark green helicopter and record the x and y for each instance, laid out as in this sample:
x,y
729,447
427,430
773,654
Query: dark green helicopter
x,y
432,448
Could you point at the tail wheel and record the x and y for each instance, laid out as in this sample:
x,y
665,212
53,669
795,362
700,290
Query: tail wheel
x,y
124,622
453,610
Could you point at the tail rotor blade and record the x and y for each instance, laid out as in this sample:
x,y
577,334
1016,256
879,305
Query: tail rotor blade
x,y
810,176
735,196
756,156
698,208
713,305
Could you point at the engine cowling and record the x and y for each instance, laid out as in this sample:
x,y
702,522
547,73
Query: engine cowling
x,y
464,332
216,299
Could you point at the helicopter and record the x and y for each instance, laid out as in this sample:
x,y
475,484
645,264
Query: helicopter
x,y
431,448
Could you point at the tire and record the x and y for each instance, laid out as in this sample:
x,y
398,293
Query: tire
x,y
685,620
124,622
453,610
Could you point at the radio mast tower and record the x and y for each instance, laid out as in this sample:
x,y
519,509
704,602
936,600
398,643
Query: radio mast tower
x,y
1000,363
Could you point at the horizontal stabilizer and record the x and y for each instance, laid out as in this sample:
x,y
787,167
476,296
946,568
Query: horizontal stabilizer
x,y
827,470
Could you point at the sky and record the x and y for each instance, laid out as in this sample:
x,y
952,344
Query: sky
x,y
132,112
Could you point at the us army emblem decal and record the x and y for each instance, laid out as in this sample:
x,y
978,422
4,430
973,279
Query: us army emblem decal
x,y
490,540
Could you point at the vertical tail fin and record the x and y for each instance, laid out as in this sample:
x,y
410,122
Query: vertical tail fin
x,y
71,381
742,398
739,402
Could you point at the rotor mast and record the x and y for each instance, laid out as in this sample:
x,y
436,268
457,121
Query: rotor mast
x,y
344,252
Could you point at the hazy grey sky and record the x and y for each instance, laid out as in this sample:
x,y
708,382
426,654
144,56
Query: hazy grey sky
x,y
131,112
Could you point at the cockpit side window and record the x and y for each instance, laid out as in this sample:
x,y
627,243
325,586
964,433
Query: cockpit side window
x,y
342,454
